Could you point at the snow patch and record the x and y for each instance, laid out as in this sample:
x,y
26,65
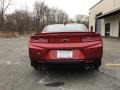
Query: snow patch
x,y
8,62
17,49
45,80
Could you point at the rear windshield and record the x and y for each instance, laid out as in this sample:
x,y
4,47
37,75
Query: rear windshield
x,y
65,28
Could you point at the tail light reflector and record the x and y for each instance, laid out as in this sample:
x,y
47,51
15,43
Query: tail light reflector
x,y
90,39
40,40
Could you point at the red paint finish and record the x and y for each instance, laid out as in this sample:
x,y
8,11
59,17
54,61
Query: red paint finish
x,y
87,46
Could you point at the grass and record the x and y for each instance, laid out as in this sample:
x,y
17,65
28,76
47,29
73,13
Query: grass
x,y
13,35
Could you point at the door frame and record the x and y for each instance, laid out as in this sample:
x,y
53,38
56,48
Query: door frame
x,y
107,29
119,29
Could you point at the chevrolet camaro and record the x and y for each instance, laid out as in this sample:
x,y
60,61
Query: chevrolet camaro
x,y
66,45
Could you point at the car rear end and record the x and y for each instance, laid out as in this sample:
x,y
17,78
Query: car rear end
x,y
66,48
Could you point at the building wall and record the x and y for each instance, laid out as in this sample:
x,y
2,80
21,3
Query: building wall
x,y
114,25
103,7
117,3
97,9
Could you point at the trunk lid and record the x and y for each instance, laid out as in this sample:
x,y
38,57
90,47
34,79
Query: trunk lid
x,y
66,37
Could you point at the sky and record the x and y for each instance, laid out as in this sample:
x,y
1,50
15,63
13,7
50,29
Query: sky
x,y
72,7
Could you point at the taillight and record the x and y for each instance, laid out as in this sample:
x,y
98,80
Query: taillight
x,y
90,39
39,40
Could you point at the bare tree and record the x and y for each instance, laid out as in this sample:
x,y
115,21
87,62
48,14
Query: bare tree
x,y
45,15
4,4
23,21
62,17
82,19
39,10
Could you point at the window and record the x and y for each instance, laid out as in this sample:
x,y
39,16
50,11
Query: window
x,y
119,29
65,28
107,29
91,28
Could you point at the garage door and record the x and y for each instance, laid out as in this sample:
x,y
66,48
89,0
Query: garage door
x,y
98,25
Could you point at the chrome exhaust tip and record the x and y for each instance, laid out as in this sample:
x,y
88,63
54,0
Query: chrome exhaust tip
x,y
42,67
87,67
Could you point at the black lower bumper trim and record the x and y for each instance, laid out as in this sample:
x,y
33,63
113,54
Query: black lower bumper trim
x,y
65,63
68,63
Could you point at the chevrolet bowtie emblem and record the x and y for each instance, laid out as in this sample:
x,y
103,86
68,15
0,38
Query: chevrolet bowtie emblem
x,y
65,40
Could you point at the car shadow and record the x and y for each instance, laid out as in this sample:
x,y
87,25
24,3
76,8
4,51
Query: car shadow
x,y
72,72
56,77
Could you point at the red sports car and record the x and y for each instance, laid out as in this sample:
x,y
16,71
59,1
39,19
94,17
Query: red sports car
x,y
66,44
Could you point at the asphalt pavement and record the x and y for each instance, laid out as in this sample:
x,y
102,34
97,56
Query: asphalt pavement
x,y
17,74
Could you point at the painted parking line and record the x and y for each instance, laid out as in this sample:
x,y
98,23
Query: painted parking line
x,y
112,49
110,64
9,63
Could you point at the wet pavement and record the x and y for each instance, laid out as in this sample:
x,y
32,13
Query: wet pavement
x,y
17,74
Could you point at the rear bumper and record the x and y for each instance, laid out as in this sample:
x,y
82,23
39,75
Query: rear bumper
x,y
65,64
68,63
81,51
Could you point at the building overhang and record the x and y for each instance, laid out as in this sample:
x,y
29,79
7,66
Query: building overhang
x,y
111,13
96,4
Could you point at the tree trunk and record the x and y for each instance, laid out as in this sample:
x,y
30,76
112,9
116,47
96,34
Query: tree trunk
x,y
2,21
